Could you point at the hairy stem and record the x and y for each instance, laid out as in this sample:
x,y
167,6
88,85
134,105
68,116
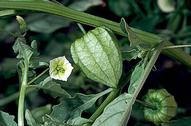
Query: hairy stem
x,y
22,96
84,18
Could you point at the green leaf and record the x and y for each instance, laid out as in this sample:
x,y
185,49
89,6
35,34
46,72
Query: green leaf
x,y
140,42
61,43
132,53
186,121
135,77
70,109
6,119
36,61
53,88
98,56
39,112
24,51
35,48
133,38
116,113
30,120
44,23
82,5
28,53
48,121
121,8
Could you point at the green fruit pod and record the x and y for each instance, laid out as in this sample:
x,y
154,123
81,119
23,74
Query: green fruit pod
x,y
163,104
98,55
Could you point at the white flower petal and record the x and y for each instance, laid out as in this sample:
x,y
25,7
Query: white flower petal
x,y
60,68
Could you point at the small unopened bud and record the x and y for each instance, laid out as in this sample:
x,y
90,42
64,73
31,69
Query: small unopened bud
x,y
22,24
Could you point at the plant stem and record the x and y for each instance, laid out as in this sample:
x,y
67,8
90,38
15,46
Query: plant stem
x,y
57,9
146,104
21,105
178,54
176,46
98,112
22,96
14,96
148,69
34,79
81,28
7,12
84,18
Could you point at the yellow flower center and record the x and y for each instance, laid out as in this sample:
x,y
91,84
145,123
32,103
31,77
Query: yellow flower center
x,y
58,67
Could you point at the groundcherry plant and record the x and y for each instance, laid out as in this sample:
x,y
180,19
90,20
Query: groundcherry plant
x,y
97,54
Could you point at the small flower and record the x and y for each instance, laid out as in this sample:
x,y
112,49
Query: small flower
x,y
60,68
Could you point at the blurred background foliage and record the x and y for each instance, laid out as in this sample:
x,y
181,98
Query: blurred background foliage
x,y
170,19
